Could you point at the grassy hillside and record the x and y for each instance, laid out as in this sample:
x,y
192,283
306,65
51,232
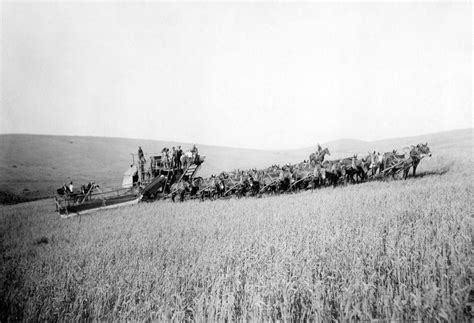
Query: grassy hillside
x,y
36,165
446,141
40,164
391,250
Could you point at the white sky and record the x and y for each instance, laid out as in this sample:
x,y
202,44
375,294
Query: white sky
x,y
262,75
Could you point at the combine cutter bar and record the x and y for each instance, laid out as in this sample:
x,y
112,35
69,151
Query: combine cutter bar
x,y
103,207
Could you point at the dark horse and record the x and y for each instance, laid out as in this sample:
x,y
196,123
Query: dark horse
x,y
331,176
63,190
219,185
301,178
195,186
331,172
284,179
254,185
353,169
417,153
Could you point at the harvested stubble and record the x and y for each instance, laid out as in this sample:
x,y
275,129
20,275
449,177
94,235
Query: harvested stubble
x,y
381,250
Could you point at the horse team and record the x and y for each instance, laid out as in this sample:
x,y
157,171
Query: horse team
x,y
315,173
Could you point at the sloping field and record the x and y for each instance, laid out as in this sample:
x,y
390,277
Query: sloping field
x,y
37,165
391,250
34,165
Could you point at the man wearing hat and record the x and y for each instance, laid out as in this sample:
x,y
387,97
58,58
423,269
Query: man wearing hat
x,y
173,157
194,150
179,153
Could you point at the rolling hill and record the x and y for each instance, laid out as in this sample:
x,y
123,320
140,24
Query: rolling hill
x,y
279,257
34,166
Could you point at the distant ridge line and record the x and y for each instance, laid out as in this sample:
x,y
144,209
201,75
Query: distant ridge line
x,y
173,142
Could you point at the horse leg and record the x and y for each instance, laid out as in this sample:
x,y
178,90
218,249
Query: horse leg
x,y
393,172
415,165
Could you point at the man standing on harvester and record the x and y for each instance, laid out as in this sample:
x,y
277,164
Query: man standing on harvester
x,y
194,150
179,153
141,163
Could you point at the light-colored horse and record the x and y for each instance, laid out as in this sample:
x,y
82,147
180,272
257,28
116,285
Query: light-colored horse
x,y
376,162
186,159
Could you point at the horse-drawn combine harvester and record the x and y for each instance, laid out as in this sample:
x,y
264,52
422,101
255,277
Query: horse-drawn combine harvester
x,y
158,180
142,181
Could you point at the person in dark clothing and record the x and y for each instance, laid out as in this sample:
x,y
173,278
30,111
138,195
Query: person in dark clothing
x,y
141,161
194,150
173,158
179,153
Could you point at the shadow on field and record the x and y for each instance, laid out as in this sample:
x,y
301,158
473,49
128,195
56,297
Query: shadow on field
x,y
420,174
439,172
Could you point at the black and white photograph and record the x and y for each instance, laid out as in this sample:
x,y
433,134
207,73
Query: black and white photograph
x,y
236,161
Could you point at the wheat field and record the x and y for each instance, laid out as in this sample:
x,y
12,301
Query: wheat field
x,y
386,250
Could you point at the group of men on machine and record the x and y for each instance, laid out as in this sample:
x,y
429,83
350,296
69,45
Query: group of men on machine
x,y
175,158
69,189
172,158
